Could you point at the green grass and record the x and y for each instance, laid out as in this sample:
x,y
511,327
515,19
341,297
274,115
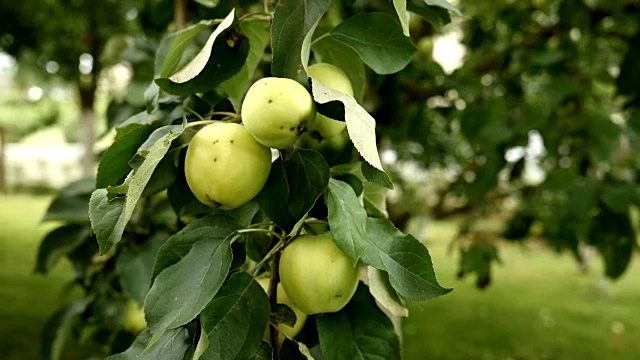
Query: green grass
x,y
26,299
538,306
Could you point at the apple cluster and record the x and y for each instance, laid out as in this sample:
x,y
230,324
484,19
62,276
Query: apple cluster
x,y
227,164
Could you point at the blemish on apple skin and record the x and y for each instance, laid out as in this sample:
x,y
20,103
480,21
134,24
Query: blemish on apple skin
x,y
231,141
269,101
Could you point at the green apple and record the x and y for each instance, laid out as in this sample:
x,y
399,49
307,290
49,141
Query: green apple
x,y
333,77
283,298
134,317
276,111
317,275
225,166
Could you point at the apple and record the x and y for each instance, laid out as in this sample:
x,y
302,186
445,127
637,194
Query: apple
x,y
134,317
225,166
283,298
277,111
333,77
317,275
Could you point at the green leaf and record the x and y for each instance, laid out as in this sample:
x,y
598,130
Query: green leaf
x,y
198,63
443,4
151,95
360,125
376,176
171,54
72,203
293,350
214,228
109,216
294,186
357,332
614,236
403,15
264,353
208,3
58,243
405,259
436,16
347,219
58,329
618,197
181,291
293,22
173,344
381,289
216,62
375,200
237,85
282,314
329,50
378,39
114,165
236,318
135,267
628,81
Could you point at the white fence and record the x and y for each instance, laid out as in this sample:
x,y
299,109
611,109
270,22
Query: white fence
x,y
51,166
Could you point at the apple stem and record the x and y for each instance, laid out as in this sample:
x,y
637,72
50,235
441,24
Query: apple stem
x,y
273,300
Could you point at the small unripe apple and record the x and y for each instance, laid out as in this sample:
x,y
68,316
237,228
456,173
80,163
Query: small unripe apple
x,y
225,166
333,77
276,111
134,317
283,298
317,275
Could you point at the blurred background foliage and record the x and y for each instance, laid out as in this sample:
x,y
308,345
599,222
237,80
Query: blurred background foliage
x,y
536,125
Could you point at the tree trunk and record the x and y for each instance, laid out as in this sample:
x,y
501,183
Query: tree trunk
x,y
86,132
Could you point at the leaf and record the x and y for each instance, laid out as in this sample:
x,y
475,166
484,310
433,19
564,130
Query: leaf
x,y
236,318
181,291
221,57
58,329
403,15
58,243
282,314
347,219
134,268
376,176
198,63
208,3
614,236
294,186
237,85
360,125
72,203
378,39
359,331
326,49
443,4
293,350
381,289
436,16
628,81
405,259
109,216
293,21
375,200
171,53
264,353
213,228
151,95
114,166
173,344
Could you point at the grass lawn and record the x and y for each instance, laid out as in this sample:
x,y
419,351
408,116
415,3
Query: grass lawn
x,y
26,300
538,306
